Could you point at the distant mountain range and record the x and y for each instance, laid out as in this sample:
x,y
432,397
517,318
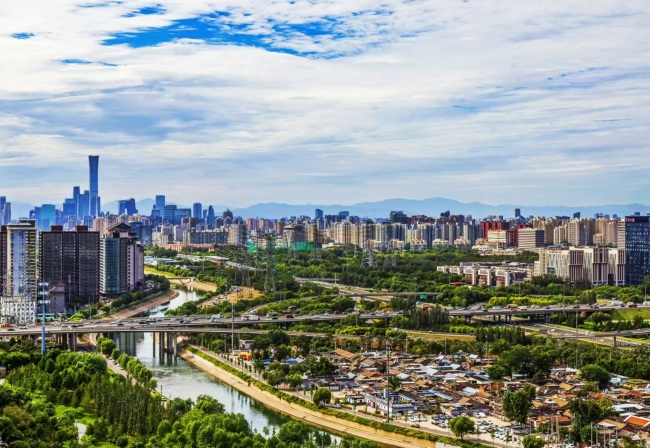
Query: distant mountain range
x,y
381,209
431,207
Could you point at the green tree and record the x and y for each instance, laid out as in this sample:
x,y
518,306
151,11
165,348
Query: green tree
x,y
594,372
461,425
294,380
322,396
516,405
532,441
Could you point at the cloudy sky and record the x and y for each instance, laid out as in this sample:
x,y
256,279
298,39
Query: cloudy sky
x,y
237,102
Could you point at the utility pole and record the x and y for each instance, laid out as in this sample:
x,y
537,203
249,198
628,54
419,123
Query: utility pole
x,y
576,335
387,382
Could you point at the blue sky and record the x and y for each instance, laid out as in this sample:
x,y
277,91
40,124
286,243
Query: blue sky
x,y
240,102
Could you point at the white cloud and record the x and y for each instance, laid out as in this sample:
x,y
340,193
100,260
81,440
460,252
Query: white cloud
x,y
445,98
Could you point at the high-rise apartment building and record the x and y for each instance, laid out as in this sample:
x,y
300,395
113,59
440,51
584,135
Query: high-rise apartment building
x,y
121,261
637,249
93,201
530,239
599,265
18,281
71,260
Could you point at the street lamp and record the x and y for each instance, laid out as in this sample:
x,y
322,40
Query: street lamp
x,y
43,303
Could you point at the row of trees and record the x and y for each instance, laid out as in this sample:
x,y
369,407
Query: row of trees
x,y
128,413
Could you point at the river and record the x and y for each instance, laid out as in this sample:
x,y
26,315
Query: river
x,y
186,381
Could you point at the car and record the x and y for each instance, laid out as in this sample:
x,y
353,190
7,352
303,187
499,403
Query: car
x,y
415,425
23,328
274,318
11,329
119,325
132,328
485,310
400,312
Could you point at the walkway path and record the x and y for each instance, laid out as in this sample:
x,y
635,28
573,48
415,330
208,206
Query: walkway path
x,y
144,306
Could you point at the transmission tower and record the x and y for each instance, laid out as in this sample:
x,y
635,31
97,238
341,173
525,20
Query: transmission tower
x,y
264,259
368,259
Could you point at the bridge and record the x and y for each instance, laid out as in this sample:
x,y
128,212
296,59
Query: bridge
x,y
182,280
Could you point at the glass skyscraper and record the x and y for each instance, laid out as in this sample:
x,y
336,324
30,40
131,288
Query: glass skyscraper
x,y
637,249
94,186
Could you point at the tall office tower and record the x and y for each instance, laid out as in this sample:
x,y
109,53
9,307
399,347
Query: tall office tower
x,y
47,217
227,214
70,260
121,261
127,207
93,204
69,208
197,210
169,214
318,214
7,213
160,202
209,220
84,204
517,213
18,255
76,197
3,202
637,249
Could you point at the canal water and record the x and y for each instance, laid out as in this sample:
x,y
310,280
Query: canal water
x,y
186,381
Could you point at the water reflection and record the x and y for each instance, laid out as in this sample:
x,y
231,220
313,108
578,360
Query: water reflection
x,y
186,381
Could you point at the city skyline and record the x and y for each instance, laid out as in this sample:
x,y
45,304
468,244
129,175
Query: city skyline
x,y
299,103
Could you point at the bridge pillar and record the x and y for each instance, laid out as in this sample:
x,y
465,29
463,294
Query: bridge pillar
x,y
494,318
169,349
499,317
614,338
153,344
175,349
161,342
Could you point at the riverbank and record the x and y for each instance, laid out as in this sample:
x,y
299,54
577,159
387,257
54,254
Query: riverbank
x,y
144,306
320,420
199,286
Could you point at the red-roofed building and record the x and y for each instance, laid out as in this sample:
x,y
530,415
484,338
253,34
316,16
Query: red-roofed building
x,y
637,422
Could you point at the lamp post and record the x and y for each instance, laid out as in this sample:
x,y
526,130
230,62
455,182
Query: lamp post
x,y
43,303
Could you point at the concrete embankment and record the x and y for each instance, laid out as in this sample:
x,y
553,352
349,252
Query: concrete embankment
x,y
144,306
328,422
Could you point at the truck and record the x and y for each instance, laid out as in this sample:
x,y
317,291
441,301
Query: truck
x,y
215,318
250,317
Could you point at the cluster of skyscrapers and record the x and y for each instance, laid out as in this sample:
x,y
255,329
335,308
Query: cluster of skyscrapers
x,y
74,264
84,254
80,209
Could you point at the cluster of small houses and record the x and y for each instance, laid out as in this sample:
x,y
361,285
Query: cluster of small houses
x,y
458,385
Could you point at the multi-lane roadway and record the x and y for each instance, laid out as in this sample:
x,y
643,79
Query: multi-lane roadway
x,y
205,323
